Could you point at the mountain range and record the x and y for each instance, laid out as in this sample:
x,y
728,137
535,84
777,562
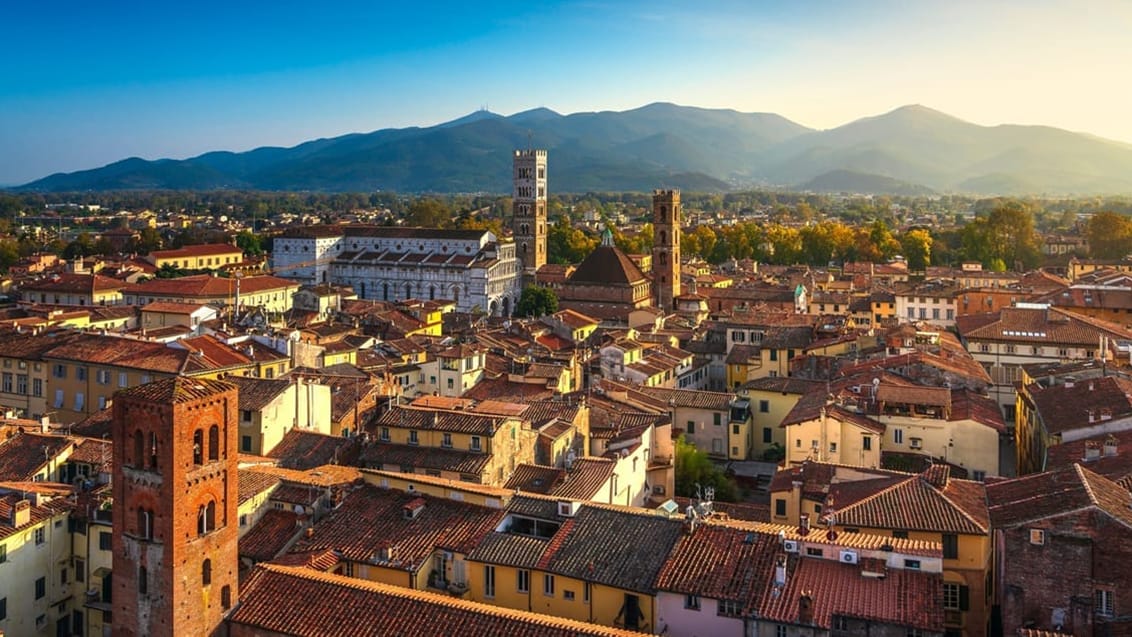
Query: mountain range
x,y
911,150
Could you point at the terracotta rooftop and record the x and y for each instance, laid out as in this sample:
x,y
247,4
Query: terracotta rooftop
x,y
74,283
722,563
607,265
205,286
23,455
170,307
286,600
1045,495
902,597
916,504
253,483
1025,325
456,422
257,393
270,535
371,519
1087,402
201,250
178,389
303,449
379,454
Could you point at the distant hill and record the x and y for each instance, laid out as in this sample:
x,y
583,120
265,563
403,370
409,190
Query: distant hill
x,y
848,181
911,150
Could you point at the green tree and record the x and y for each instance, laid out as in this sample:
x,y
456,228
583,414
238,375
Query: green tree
x,y
694,468
249,243
9,253
536,301
1109,235
428,212
917,246
1005,236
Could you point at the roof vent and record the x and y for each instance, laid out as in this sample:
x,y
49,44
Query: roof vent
x,y
413,508
568,509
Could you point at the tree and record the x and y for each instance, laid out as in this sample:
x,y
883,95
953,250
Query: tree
x,y
1109,235
917,246
249,243
536,301
428,212
694,468
1005,237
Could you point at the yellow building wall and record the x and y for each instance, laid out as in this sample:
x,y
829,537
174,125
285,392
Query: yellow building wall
x,y
966,443
778,405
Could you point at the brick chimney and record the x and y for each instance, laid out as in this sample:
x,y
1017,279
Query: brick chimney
x,y
1110,445
806,608
21,513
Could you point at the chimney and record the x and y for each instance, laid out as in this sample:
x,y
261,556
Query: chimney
x,y
1092,450
1070,382
780,571
806,608
1110,446
804,524
21,513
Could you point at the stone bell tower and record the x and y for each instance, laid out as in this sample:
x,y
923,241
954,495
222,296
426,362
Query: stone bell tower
x,y
528,207
666,247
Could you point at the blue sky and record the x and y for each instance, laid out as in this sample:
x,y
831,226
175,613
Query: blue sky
x,y
86,83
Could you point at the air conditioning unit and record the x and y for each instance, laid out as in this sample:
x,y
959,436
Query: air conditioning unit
x,y
848,557
790,546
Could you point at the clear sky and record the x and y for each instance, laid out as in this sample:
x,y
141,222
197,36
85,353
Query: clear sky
x,y
86,83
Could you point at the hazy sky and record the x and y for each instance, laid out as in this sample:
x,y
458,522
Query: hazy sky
x,y
85,83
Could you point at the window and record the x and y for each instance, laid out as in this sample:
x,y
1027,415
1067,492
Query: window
x,y
764,406
523,581
903,535
450,385
102,376
780,631
568,595
413,437
143,581
80,373
40,587
833,447
213,443
1037,537
867,443
912,565
3,608
246,444
446,441
898,436
7,383
548,585
729,608
488,581
950,546
39,536
979,476
206,572
691,427
475,444
692,602
950,596
226,597
105,541
840,623
814,551
3,553
767,435
198,447
585,592
1104,604
37,387
773,355
780,507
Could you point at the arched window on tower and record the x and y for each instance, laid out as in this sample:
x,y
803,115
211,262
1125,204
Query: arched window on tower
x,y
213,443
198,447
153,451
206,572
663,238
139,449
143,581
662,258
145,524
210,514
663,211
206,518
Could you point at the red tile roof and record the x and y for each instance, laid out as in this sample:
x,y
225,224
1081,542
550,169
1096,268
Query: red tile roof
x,y
269,536
204,286
23,455
294,601
202,250
902,597
919,505
371,519
722,563
1045,495
1087,402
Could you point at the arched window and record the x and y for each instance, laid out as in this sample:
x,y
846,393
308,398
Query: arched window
x,y
139,449
384,291
153,451
145,524
432,293
663,211
210,514
408,290
663,238
456,294
143,581
213,443
206,572
662,258
226,597
206,518
198,447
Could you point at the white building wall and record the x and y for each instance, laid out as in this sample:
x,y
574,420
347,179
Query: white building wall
x,y
673,619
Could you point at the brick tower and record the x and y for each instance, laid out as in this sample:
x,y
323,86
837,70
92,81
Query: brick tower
x,y
666,247
175,499
528,205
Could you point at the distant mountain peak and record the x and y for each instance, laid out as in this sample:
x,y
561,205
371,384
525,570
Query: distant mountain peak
x,y
474,116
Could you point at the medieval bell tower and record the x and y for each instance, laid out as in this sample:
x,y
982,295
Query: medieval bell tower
x,y
175,498
666,247
528,207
